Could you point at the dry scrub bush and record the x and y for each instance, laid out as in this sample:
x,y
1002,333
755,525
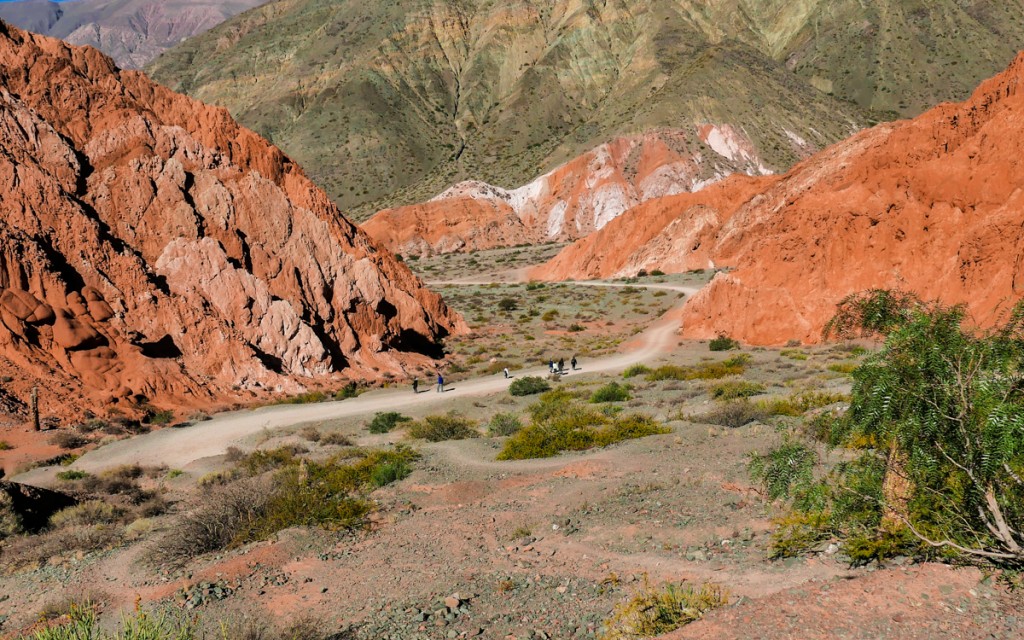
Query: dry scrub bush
x,y
656,611
445,427
213,523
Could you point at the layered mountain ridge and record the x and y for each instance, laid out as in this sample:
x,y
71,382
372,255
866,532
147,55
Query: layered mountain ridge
x,y
392,104
155,251
132,32
931,205
574,200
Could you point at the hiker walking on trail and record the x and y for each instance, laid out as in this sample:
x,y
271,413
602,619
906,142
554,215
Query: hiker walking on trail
x,y
573,363
551,366
416,385
505,370
440,383
561,365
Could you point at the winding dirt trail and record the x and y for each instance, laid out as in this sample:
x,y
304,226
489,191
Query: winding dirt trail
x,y
179,448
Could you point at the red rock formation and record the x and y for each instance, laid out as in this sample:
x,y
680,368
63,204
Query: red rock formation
x,y
154,249
572,201
934,205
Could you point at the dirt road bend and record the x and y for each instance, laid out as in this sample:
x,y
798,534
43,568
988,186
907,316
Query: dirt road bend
x,y
178,448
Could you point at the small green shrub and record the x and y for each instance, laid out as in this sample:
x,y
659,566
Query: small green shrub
x,y
389,472
71,474
636,370
793,354
504,424
611,392
657,611
508,304
350,390
657,272
443,427
163,417
386,421
5,446
528,386
736,389
723,343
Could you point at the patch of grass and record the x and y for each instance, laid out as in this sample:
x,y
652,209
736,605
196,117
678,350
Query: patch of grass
x,y
843,367
336,439
386,421
704,371
310,397
504,424
793,354
5,446
310,434
732,414
611,392
636,370
443,427
528,385
798,404
655,611
68,440
299,494
174,473
723,343
732,390
83,624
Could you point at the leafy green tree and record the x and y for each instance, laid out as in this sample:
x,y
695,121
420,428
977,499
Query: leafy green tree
x,y
944,405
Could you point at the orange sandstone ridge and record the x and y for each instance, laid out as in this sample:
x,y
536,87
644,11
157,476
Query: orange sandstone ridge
x,y
154,250
934,205
574,200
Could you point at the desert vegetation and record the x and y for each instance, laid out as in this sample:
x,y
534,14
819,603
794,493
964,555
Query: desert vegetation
x,y
560,422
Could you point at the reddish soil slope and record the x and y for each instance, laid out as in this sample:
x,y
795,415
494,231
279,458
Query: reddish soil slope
x,y
573,201
934,205
153,249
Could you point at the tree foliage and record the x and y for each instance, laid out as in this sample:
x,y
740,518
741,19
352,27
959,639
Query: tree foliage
x,y
944,406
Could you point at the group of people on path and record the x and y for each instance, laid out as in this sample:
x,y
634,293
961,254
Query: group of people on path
x,y
561,365
551,369
440,384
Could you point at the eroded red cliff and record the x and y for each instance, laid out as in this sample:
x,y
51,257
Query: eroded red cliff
x,y
151,249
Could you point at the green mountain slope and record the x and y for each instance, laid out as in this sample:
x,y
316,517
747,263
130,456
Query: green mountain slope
x,y
389,103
